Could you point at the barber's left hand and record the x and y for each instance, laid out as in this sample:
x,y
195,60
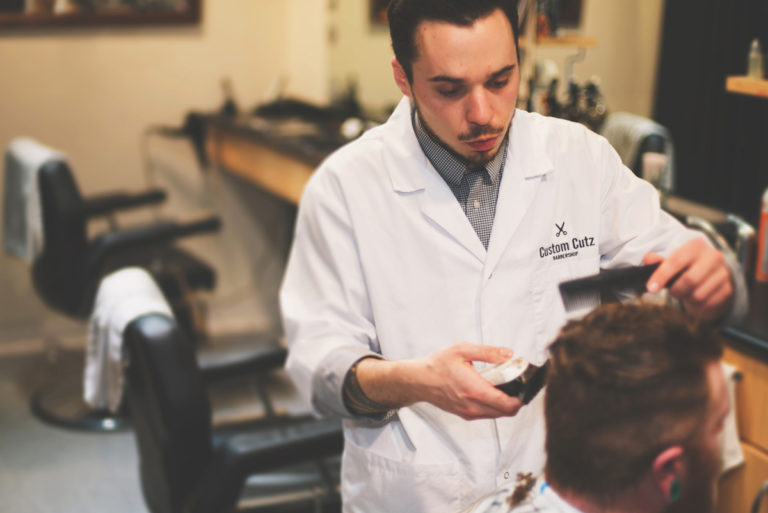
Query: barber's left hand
x,y
704,287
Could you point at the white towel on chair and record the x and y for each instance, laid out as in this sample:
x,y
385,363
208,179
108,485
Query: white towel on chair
x,y
123,296
22,216
730,448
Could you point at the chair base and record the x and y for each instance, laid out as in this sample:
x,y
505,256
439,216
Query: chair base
x,y
61,404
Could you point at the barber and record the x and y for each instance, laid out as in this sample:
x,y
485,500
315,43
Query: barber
x,y
437,240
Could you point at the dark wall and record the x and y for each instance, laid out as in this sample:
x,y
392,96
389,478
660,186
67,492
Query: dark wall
x,y
721,139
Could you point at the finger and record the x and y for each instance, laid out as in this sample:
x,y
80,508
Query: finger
x,y
475,389
471,397
718,303
715,305
676,262
489,354
494,405
706,267
488,398
720,279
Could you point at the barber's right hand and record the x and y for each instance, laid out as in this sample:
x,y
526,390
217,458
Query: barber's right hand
x,y
446,378
449,380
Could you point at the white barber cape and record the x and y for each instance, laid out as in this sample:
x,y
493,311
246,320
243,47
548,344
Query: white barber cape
x,y
385,261
541,498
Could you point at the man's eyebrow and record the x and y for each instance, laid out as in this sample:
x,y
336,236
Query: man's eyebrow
x,y
503,71
455,80
446,78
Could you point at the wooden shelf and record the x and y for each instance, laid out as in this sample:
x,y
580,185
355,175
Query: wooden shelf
x,y
747,85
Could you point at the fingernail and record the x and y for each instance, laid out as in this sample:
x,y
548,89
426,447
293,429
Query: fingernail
x,y
653,287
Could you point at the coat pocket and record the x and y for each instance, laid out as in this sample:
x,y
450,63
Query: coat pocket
x,y
373,482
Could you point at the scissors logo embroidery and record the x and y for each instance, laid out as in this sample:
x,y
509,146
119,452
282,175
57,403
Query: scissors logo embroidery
x,y
560,229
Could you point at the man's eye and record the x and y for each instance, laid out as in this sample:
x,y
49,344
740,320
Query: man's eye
x,y
498,84
452,92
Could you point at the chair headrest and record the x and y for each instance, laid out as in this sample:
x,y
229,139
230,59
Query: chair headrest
x,y
22,215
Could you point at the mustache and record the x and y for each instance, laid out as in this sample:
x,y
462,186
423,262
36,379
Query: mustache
x,y
480,130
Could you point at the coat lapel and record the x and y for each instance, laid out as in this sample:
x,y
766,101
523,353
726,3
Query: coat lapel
x,y
525,169
440,206
411,172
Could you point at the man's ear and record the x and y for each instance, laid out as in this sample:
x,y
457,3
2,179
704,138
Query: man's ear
x,y
400,78
668,472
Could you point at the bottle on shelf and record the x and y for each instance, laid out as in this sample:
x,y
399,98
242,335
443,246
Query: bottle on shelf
x,y
761,270
755,61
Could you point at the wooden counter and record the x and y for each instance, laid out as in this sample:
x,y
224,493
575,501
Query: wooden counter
x,y
279,155
747,350
258,159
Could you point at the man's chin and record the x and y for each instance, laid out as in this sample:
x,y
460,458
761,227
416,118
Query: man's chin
x,y
481,158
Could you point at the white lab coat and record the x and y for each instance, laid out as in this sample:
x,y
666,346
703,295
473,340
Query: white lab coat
x,y
384,260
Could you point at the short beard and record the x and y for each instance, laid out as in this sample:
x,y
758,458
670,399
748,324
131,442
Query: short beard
x,y
475,132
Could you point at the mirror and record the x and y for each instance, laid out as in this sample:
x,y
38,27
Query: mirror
x,y
21,14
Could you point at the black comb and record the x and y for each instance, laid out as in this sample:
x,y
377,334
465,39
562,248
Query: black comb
x,y
609,286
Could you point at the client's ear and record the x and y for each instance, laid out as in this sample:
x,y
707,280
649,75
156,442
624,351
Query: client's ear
x,y
668,470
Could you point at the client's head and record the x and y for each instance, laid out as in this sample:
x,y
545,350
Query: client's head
x,y
635,402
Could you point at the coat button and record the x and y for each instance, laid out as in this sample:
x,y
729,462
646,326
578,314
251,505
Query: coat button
x,y
506,475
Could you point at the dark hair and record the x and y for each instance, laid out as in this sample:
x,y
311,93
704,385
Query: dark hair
x,y
624,383
405,15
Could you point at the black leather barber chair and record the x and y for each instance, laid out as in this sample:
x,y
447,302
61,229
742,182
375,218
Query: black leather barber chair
x,y
186,466
633,137
67,272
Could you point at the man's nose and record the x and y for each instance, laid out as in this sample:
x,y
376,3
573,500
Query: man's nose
x,y
479,110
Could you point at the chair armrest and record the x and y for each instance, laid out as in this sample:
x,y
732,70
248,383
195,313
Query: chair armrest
x,y
146,236
105,204
156,233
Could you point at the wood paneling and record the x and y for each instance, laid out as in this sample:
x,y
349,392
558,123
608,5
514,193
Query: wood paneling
x,y
739,487
751,398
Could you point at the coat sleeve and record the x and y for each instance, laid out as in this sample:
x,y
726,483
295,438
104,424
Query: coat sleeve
x,y
324,299
633,224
